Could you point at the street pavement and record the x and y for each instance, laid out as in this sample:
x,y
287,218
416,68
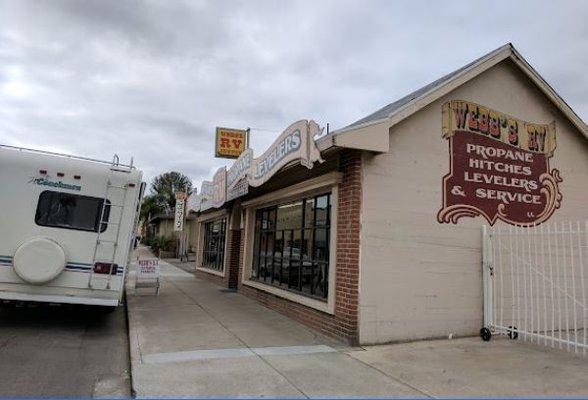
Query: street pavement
x,y
63,351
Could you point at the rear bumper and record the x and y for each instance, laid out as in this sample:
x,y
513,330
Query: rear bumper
x,y
48,298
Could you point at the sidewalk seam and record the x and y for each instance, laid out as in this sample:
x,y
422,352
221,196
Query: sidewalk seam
x,y
241,341
401,381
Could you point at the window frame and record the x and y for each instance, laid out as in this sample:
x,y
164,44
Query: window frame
x,y
209,237
202,220
100,226
327,182
271,231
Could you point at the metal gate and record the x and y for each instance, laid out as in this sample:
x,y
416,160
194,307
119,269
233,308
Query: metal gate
x,y
535,284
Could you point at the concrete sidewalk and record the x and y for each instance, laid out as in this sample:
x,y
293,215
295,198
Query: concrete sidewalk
x,y
199,340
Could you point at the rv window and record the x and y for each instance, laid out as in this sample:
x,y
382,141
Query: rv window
x,y
71,211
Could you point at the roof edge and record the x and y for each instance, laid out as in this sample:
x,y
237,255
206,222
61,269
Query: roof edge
x,y
507,51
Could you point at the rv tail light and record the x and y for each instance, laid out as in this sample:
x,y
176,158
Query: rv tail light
x,y
60,174
77,177
131,185
104,268
43,171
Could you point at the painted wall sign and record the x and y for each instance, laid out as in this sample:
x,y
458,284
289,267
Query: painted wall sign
x,y
237,184
296,142
179,212
239,189
193,202
499,167
206,194
240,168
230,143
219,182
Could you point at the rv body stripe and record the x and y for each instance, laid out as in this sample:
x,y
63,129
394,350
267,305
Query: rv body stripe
x,y
72,267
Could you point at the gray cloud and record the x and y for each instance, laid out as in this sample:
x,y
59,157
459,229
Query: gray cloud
x,y
153,78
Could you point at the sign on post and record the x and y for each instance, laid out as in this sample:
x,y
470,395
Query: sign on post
x,y
179,215
230,143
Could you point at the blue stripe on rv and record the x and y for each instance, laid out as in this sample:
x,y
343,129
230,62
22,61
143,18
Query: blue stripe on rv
x,y
78,267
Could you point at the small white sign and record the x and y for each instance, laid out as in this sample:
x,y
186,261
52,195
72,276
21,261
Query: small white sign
x,y
148,269
179,217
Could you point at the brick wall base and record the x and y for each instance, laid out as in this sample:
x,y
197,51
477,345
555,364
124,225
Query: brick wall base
x,y
216,279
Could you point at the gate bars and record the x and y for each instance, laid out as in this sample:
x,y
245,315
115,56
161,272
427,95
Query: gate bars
x,y
535,282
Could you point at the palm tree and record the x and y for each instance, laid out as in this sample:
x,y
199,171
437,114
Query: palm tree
x,y
165,186
163,195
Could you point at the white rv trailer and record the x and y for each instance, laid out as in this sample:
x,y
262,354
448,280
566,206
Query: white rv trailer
x,y
67,227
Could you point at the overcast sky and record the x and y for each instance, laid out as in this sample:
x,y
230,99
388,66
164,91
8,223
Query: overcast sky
x,y
152,79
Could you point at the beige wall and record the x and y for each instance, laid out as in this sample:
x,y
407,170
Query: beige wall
x,y
191,227
166,227
422,279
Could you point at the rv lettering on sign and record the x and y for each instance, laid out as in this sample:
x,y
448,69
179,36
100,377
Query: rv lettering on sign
x,y
499,167
230,143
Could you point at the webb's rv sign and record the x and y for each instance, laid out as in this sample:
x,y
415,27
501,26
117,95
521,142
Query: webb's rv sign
x,y
230,143
499,167
296,143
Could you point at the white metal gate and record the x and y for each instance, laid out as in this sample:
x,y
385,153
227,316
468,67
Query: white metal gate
x,y
535,284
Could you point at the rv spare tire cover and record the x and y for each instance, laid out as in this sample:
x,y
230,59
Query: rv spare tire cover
x,y
39,260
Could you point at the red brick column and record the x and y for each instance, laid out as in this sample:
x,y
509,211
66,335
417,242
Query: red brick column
x,y
344,323
234,254
348,234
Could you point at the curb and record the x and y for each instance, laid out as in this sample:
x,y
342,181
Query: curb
x,y
134,351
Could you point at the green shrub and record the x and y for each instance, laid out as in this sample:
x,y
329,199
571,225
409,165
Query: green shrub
x,y
161,243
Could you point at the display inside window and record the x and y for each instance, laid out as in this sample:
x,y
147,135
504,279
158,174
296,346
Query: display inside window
x,y
213,256
291,247
72,211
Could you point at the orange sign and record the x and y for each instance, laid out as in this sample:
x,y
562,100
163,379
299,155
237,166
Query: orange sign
x,y
230,143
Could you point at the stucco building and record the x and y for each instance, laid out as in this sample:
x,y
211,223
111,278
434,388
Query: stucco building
x,y
373,233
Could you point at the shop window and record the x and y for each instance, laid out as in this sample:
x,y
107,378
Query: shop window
x,y
291,246
71,211
213,254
